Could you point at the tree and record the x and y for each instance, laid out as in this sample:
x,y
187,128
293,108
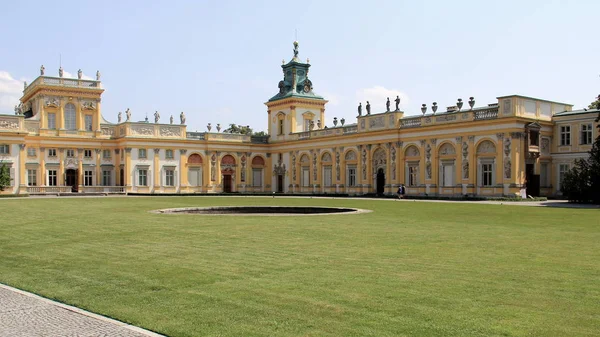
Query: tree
x,y
582,182
243,130
238,129
595,104
4,177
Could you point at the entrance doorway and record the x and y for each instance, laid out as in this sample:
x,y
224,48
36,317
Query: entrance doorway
x,y
532,181
280,183
380,182
71,179
227,183
121,178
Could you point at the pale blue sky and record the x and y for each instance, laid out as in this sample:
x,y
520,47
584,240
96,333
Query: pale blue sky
x,y
219,61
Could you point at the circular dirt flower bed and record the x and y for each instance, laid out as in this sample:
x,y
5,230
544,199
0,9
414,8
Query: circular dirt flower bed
x,y
261,210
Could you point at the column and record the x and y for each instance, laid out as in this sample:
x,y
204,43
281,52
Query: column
x,y
42,170
434,164
458,163
61,168
117,175
127,180
218,175
472,164
518,158
79,124
388,170
319,178
97,173
369,169
183,172
341,162
80,172
400,165
41,112
22,171
60,121
423,167
96,118
156,183
292,118
268,172
499,179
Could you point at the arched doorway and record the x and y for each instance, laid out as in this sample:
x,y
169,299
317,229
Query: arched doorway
x,y
227,170
71,179
380,181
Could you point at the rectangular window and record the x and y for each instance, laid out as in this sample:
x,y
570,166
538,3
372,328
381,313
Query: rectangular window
x,y
305,177
106,154
562,169
413,175
544,174
447,175
32,177
88,178
142,177
4,149
534,138
70,153
281,127
169,154
169,178
195,177
351,176
565,135
87,154
307,125
51,152
52,178
327,179
257,177
142,153
88,122
51,121
106,175
487,174
31,152
586,134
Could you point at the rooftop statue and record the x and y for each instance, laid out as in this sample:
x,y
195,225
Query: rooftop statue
x,y
182,117
397,103
128,114
119,117
60,72
359,109
97,75
368,108
171,119
156,116
387,105
79,74
42,70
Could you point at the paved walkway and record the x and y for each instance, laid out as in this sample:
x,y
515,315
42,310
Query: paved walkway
x,y
24,314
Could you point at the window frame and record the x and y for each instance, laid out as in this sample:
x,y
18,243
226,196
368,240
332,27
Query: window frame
x,y
5,149
90,119
31,173
144,152
51,121
351,172
106,177
51,153
169,154
565,135
587,135
70,117
88,175
52,177
170,177
144,176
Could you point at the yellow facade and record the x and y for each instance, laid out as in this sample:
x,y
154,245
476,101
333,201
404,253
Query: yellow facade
x,y
58,142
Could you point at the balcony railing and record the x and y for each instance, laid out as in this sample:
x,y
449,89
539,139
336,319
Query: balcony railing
x,y
411,123
49,189
486,114
103,189
67,82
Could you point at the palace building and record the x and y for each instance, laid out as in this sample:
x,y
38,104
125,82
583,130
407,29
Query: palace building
x,y
59,142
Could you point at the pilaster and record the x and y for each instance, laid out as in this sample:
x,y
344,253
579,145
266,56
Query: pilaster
x,y
80,170
61,168
434,163
458,172
127,180
156,185
42,173
400,165
472,162
183,172
98,162
22,171
499,178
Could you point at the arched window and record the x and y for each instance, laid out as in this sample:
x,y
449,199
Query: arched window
x,y
258,164
70,117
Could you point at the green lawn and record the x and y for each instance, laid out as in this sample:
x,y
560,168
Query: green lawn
x,y
406,269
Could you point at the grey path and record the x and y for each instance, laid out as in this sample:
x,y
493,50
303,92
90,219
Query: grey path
x,y
23,314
